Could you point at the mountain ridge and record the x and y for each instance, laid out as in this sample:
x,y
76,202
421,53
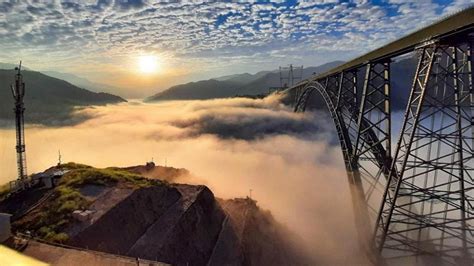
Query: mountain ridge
x,y
232,85
48,100
89,85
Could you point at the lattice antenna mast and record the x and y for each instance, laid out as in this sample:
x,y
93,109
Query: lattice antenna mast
x,y
290,75
18,91
296,74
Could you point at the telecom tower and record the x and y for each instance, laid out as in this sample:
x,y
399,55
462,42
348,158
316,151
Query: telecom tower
x,y
18,91
289,79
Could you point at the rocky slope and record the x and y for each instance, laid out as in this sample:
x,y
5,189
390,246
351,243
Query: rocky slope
x,y
117,211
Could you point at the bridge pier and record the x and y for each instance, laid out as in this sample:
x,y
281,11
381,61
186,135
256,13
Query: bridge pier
x,y
433,162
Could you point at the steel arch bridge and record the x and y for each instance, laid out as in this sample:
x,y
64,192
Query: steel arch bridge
x,y
413,200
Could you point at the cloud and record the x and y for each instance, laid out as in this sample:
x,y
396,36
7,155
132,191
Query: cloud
x,y
292,174
239,118
230,33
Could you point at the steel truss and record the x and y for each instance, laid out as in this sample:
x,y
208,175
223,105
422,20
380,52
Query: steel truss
x,y
362,118
427,205
420,201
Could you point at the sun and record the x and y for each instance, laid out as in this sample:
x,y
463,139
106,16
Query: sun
x,y
148,64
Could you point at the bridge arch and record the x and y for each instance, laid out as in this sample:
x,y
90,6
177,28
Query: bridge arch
x,y
344,139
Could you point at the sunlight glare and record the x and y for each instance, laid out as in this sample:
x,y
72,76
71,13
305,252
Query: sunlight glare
x,y
148,64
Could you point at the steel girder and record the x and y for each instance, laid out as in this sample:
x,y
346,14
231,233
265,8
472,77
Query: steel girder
x,y
337,118
362,119
427,207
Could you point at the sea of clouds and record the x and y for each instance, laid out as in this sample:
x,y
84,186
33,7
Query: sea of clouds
x,y
291,161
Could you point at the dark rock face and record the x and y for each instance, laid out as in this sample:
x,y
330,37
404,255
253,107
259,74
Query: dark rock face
x,y
118,229
152,220
261,239
186,225
191,239
178,225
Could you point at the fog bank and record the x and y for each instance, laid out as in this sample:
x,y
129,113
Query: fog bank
x,y
231,145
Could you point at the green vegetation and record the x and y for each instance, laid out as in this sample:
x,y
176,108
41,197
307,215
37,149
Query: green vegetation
x,y
108,176
4,190
72,166
51,219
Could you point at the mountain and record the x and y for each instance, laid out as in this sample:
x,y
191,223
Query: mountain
x,y
11,66
89,85
79,81
243,78
120,212
229,86
204,89
48,100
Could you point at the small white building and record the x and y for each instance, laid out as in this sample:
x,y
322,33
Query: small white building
x,y
50,177
82,215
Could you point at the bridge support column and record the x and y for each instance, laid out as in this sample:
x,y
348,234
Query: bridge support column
x,y
427,208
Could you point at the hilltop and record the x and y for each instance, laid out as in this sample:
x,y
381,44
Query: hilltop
x,y
117,211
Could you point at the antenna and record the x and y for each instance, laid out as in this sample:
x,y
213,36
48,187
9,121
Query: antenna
x,y
18,92
290,75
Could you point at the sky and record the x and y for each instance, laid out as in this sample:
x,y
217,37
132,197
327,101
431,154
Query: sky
x,y
103,41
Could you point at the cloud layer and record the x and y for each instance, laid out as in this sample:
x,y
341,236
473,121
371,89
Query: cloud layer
x,y
294,172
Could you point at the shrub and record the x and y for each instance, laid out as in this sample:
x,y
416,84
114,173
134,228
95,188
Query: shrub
x,y
60,238
4,190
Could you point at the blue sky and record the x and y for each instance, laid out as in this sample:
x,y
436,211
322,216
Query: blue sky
x,y
101,40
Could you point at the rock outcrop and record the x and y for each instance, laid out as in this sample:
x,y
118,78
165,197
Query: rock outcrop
x,y
176,224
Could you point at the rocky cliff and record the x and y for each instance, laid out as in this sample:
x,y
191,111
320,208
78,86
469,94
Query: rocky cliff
x,y
116,211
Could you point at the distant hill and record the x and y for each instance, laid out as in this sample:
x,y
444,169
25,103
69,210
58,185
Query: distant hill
x,y
11,66
243,78
89,85
229,86
204,89
48,100
78,81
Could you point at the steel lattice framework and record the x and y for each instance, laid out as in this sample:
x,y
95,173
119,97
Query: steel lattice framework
x,y
415,199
